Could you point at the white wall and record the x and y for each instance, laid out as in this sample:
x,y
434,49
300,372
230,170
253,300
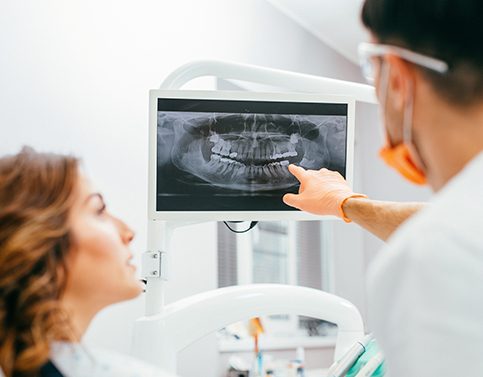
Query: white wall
x,y
75,75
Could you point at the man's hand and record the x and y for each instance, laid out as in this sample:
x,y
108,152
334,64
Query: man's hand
x,y
325,192
322,192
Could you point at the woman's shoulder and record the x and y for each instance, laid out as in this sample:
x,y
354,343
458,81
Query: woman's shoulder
x,y
80,360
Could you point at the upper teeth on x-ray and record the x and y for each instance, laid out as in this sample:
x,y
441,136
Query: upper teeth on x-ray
x,y
249,152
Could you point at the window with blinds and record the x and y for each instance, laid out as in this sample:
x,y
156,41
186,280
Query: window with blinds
x,y
271,254
227,256
309,254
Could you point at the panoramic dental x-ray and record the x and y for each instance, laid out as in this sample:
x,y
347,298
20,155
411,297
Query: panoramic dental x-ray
x,y
218,155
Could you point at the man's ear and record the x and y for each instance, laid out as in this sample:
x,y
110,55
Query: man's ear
x,y
401,79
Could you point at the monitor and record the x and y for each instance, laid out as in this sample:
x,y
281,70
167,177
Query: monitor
x,y
224,156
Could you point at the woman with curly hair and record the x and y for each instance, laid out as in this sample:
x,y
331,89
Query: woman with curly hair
x,y
57,240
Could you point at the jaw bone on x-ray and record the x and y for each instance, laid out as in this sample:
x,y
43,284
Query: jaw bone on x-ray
x,y
247,154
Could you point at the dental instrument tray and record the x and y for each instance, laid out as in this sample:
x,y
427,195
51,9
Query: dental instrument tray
x,y
221,156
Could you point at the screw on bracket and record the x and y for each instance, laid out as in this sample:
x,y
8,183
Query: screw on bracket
x,y
151,264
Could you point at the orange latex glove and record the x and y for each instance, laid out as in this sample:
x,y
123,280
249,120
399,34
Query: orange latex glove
x,y
321,192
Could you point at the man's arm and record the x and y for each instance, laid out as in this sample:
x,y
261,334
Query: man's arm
x,y
379,218
325,192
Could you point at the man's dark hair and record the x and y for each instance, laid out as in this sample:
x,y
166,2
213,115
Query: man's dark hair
x,y
450,30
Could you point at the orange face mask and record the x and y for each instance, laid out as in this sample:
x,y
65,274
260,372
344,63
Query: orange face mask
x,y
399,158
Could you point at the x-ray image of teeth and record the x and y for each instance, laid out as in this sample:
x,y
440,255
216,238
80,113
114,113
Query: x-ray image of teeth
x,y
248,153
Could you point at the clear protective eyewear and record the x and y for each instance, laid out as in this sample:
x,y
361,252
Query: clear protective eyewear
x,y
369,50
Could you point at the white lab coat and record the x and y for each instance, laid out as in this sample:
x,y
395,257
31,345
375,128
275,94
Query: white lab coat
x,y
425,288
77,360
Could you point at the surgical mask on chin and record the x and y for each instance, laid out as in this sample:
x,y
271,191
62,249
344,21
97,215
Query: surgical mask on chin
x,y
399,156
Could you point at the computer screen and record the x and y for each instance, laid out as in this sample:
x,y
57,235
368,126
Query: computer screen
x,y
231,155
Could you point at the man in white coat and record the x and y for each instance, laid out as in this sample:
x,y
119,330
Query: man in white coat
x,y
425,288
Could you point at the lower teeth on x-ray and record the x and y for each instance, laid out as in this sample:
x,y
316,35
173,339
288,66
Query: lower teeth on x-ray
x,y
244,154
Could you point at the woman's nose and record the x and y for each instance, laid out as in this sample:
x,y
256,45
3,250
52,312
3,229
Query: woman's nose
x,y
127,234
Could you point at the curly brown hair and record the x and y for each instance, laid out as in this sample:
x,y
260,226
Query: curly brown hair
x,y
36,195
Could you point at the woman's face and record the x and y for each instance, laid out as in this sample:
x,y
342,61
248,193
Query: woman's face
x,y
99,268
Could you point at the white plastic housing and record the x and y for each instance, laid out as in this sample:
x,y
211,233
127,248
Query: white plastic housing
x,y
158,338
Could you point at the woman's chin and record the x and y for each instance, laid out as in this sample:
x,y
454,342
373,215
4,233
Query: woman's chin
x,y
137,289
132,290
136,285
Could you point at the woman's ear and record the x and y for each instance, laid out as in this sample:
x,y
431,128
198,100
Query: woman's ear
x,y
400,81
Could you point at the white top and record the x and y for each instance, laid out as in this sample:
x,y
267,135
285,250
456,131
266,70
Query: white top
x,y
77,360
426,286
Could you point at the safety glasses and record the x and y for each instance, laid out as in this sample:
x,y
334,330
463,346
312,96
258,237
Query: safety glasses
x,y
367,51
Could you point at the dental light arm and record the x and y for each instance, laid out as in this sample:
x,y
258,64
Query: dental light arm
x,y
188,320
269,76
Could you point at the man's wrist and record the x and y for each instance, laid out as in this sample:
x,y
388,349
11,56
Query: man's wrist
x,y
345,204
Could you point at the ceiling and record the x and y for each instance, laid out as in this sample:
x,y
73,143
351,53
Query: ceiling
x,y
335,22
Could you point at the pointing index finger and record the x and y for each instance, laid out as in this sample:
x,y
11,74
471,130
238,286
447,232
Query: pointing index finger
x,y
298,171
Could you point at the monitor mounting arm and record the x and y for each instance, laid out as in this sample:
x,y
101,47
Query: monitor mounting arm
x,y
297,82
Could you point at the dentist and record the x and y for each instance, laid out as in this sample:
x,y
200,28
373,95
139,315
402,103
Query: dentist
x,y
425,287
